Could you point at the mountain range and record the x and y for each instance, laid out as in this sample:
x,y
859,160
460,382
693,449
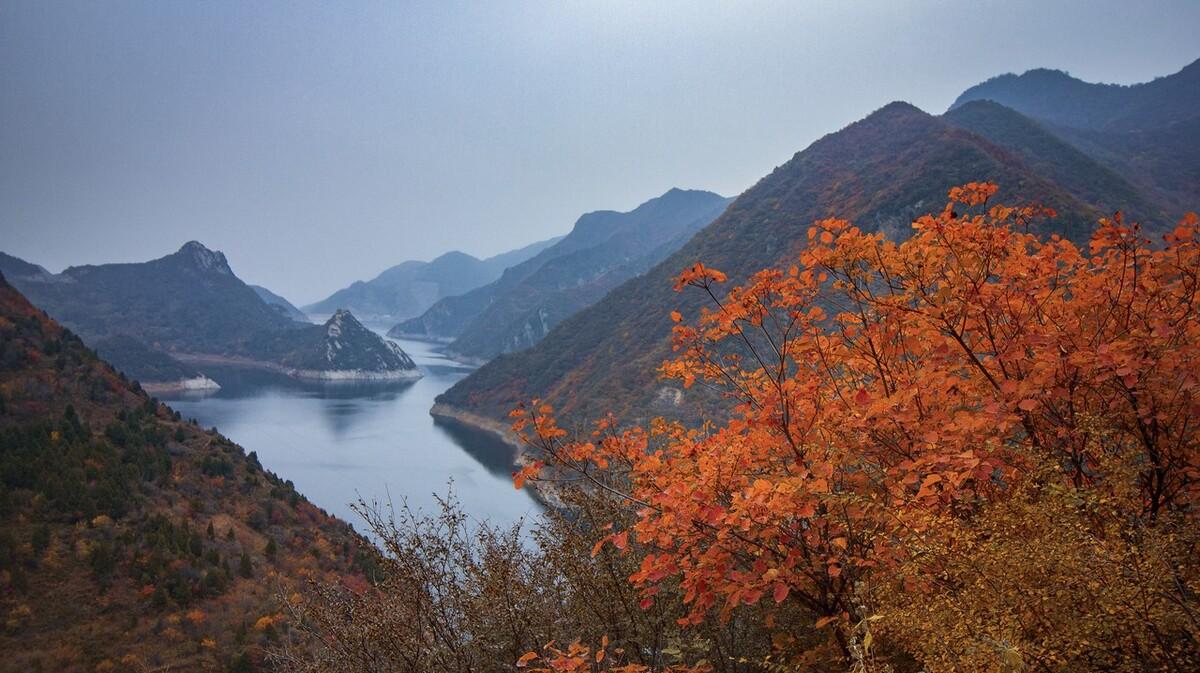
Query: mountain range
x,y
1145,132
280,303
189,305
881,173
411,287
130,538
604,249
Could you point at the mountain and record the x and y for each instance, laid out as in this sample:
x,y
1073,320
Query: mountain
x,y
15,267
131,539
409,288
603,250
275,300
190,306
1148,133
340,349
1051,156
880,172
1062,100
186,301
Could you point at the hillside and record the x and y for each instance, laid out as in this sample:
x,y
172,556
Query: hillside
x,y
1147,133
1050,156
411,287
604,249
277,301
191,306
879,172
140,362
131,539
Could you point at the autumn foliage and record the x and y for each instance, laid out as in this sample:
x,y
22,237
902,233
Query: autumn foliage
x,y
973,450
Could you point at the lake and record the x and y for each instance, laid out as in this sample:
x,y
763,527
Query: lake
x,y
339,441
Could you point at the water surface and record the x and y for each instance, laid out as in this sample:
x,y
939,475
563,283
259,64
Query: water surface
x,y
340,441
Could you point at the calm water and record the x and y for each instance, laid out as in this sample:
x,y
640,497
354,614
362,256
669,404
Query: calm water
x,y
341,441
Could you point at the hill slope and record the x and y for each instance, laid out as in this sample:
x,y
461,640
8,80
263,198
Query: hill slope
x,y
129,538
880,172
411,287
1058,160
604,249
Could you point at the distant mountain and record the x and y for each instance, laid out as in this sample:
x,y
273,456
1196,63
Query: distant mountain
x,y
1062,100
603,250
409,288
880,172
130,536
340,349
189,306
1053,157
1149,133
275,300
15,267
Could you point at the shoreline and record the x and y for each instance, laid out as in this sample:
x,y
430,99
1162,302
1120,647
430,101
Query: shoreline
x,y
543,492
194,383
423,338
489,425
330,375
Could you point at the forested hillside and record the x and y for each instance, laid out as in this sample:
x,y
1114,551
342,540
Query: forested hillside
x,y
130,538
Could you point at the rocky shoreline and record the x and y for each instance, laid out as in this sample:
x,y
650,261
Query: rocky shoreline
x,y
348,375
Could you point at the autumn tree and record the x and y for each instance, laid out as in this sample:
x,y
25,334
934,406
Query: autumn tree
x,y
975,449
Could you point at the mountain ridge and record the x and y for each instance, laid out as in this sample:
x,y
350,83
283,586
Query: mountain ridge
x,y
603,249
190,301
410,287
880,172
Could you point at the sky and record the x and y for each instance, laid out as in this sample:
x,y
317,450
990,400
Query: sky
x,y
320,143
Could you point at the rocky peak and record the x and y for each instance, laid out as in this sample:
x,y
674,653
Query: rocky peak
x,y
203,258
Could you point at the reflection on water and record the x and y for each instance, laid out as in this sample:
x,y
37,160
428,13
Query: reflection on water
x,y
341,441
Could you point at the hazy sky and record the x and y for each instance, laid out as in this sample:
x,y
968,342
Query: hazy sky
x,y
316,144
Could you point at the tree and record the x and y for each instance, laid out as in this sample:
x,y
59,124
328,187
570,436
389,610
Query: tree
x,y
978,445
245,568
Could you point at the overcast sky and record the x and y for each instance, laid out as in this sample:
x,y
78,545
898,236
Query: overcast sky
x,y
316,144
